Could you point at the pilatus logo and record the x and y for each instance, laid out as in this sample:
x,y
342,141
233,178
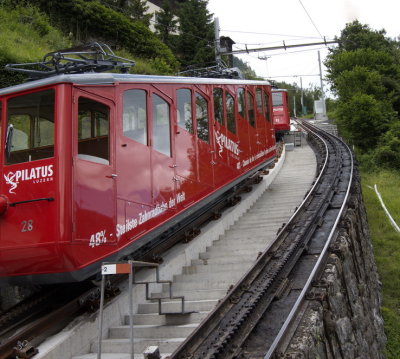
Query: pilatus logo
x,y
224,141
36,175
10,179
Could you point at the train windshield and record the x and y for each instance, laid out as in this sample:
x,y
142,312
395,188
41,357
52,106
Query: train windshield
x,y
277,99
30,127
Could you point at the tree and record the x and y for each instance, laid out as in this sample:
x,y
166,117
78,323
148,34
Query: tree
x,y
133,9
136,9
364,72
247,71
166,25
387,154
196,39
88,20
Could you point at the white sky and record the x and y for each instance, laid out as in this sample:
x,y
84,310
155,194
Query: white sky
x,y
287,20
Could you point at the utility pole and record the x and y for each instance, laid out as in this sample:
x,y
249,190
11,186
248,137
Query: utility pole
x,y
217,41
301,100
322,87
294,105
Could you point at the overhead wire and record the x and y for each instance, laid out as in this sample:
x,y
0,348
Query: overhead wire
x,y
315,26
267,33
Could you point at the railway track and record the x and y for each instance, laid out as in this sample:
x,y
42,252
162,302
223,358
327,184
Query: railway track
x,y
257,316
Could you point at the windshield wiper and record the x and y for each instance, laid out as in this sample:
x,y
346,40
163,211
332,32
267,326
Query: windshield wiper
x,y
10,131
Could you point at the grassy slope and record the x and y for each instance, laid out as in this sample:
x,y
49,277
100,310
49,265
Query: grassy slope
x,y
25,33
386,242
26,36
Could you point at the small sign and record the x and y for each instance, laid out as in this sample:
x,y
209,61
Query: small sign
x,y
117,268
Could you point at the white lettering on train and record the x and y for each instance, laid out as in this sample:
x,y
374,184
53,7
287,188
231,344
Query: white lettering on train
x,y
224,141
36,175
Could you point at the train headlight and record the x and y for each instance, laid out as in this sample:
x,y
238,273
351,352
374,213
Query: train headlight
x,y
3,204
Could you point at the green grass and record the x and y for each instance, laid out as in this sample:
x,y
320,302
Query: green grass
x,y
25,34
386,242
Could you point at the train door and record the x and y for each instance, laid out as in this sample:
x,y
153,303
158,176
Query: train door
x,y
270,132
185,139
162,162
133,162
205,160
253,132
243,129
94,169
186,159
261,121
222,144
232,133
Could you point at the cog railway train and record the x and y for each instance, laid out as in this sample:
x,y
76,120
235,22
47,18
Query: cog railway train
x,y
280,109
96,165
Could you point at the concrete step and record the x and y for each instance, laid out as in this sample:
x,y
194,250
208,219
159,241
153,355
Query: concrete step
x,y
216,268
140,345
116,356
218,283
243,250
194,294
175,306
260,227
219,258
227,276
237,243
244,235
152,331
166,319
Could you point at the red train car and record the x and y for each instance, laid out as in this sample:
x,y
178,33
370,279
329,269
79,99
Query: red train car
x,y
97,165
280,106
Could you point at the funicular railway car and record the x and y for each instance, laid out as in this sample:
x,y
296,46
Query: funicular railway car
x,y
97,165
280,108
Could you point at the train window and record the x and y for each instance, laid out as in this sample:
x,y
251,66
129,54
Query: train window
x,y
202,117
230,112
277,99
259,101
218,108
161,125
241,106
93,131
184,109
135,116
267,109
30,127
250,109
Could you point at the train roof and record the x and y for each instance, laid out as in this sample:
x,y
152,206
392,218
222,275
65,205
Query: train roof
x,y
279,90
112,78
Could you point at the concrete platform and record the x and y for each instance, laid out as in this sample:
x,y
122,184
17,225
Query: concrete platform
x,y
202,270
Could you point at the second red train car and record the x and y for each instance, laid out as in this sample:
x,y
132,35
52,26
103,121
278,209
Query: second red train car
x,y
280,107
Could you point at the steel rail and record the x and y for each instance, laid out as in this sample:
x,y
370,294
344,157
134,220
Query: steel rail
x,y
211,346
320,261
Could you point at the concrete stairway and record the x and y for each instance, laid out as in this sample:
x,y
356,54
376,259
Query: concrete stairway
x,y
209,277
